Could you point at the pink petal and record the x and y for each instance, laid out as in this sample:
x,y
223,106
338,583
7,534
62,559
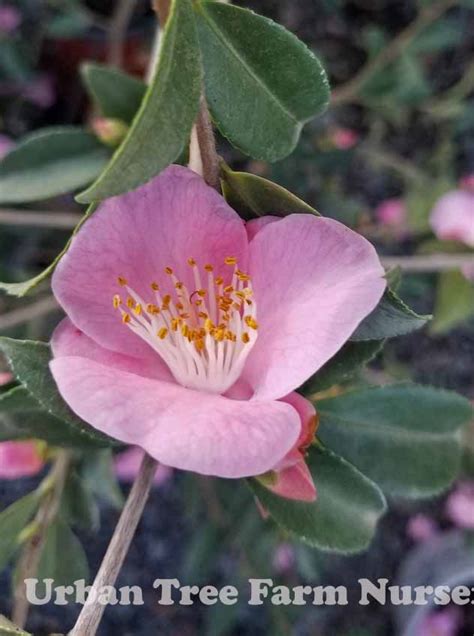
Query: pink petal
x,y
68,340
196,431
295,482
308,417
127,465
19,459
314,281
452,218
254,226
136,235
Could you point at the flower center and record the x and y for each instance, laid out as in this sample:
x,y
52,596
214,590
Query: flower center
x,y
204,334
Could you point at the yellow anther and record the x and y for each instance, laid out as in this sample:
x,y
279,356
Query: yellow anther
x,y
179,285
168,270
242,276
122,281
155,286
208,268
117,301
185,330
125,318
138,309
162,333
130,303
179,306
245,337
251,322
201,292
198,303
174,324
191,262
184,316
199,343
203,315
208,325
230,260
166,299
219,280
152,309
228,289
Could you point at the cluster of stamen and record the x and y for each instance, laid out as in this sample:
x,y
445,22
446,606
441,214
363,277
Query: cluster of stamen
x,y
204,334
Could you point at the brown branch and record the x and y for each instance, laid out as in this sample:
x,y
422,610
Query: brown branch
x,y
429,263
31,553
429,14
117,30
39,218
31,311
91,614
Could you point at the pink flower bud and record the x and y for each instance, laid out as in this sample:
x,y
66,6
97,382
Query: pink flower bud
x,y
344,138
392,213
460,505
110,131
10,19
19,459
420,527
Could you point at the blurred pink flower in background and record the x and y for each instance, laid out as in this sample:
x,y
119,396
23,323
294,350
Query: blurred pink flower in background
x,y
5,377
420,527
10,19
284,558
6,144
204,395
444,623
19,459
392,214
344,138
127,465
452,217
467,182
40,91
460,505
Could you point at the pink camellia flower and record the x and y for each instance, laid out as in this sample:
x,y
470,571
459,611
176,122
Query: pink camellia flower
x,y
5,377
467,182
344,138
443,623
460,505
19,459
188,331
452,218
392,213
10,19
127,465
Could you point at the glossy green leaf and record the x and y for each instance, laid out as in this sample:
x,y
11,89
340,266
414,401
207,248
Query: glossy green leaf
x,y
262,83
345,514
12,521
116,94
7,628
404,437
78,505
392,317
98,474
23,288
63,558
252,196
454,301
344,365
29,362
163,123
50,162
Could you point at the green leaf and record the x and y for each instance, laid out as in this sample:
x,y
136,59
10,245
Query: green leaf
x,y
7,628
78,505
392,317
29,362
23,288
163,123
50,162
345,514
454,301
262,83
252,196
344,365
404,437
12,521
97,472
63,558
117,94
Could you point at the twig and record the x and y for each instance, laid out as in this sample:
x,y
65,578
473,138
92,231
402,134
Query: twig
x,y
388,54
91,614
31,554
117,30
30,312
38,218
429,263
